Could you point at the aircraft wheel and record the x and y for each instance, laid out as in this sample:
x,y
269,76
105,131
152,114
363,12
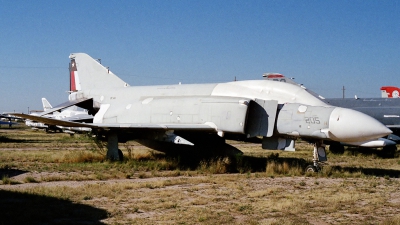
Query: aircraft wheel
x,y
389,151
336,148
311,169
120,155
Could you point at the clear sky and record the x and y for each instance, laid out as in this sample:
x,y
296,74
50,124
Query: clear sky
x,y
323,44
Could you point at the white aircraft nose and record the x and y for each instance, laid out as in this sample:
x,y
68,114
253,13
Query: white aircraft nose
x,y
347,125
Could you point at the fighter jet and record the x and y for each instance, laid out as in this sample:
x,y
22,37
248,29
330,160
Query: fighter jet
x,y
390,92
207,114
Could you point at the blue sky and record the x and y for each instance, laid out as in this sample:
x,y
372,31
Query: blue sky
x,y
323,44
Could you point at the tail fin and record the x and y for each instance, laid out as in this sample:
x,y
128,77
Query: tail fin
x,y
390,92
86,73
46,104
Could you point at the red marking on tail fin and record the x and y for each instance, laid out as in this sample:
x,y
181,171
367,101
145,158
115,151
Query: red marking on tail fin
x,y
72,83
72,69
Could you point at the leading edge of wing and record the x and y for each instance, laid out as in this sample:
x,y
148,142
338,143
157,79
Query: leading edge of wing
x,y
50,121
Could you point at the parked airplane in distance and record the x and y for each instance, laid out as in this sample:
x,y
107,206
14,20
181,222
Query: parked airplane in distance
x,y
203,116
9,123
6,119
68,114
390,92
9,117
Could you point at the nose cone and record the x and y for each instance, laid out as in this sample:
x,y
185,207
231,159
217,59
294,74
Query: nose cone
x,y
347,125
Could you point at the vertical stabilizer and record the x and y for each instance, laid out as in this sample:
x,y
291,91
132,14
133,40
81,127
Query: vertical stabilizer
x,y
390,92
46,104
86,73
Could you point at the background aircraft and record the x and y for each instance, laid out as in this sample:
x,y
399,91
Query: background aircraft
x,y
204,115
385,110
69,114
9,123
6,119
390,92
8,116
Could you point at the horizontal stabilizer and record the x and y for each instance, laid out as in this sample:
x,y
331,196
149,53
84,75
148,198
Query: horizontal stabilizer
x,y
55,122
67,104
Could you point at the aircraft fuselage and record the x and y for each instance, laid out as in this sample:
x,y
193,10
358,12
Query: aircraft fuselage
x,y
226,107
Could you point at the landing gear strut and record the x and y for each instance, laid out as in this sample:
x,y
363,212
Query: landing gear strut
x,y
113,153
319,156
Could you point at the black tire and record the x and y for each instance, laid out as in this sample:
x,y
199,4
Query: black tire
x,y
336,148
120,155
311,169
388,151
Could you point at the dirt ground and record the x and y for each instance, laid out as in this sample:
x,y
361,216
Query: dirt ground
x,y
229,199
52,196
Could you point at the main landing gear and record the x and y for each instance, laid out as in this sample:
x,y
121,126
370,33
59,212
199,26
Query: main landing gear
x,y
113,153
319,156
336,148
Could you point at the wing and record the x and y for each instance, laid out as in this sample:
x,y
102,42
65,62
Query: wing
x,y
66,123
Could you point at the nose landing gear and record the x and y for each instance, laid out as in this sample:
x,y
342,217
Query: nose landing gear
x,y
319,156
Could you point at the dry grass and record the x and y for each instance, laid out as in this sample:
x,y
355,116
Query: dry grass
x,y
222,199
58,173
215,166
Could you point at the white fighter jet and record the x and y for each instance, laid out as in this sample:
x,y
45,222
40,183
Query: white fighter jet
x,y
69,114
207,114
